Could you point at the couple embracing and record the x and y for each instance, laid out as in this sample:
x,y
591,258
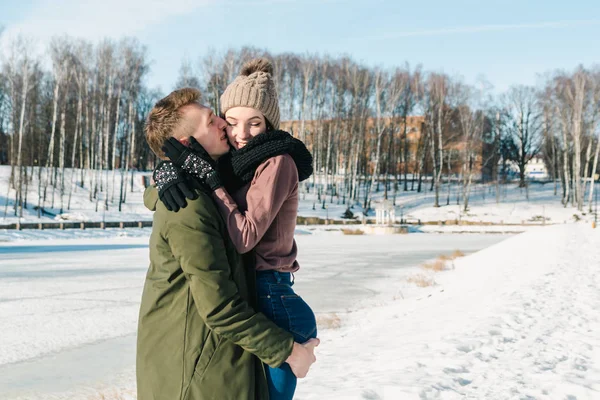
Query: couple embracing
x,y
219,318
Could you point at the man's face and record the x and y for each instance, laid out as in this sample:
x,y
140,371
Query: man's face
x,y
209,129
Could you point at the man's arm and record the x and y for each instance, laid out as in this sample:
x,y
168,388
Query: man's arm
x,y
150,197
197,244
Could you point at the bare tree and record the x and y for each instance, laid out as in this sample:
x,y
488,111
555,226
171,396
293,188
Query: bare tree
x,y
387,95
526,122
575,93
187,76
362,125
19,73
594,110
437,113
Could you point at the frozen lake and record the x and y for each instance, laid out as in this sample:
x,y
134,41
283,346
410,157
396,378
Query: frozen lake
x,y
69,307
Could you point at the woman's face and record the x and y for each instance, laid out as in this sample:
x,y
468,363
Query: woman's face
x,y
244,123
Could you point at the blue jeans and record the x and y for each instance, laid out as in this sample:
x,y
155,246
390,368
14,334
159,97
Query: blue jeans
x,y
277,300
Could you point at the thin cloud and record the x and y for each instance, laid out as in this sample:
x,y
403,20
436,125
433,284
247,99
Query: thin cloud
x,y
487,28
246,3
97,19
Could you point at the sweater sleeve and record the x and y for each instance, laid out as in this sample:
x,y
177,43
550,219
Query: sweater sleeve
x,y
273,182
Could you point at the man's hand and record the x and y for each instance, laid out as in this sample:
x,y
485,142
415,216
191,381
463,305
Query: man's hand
x,y
194,160
302,357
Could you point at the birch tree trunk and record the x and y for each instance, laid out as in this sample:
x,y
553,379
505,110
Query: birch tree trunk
x,y
50,157
114,147
106,123
595,166
75,139
577,97
25,89
61,162
567,194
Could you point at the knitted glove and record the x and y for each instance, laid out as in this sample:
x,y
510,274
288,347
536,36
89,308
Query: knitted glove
x,y
194,160
172,187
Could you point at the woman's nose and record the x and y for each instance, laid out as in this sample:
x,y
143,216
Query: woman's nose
x,y
243,132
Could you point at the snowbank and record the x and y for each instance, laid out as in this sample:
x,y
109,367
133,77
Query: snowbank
x,y
517,320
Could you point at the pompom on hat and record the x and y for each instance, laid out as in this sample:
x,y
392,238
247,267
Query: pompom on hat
x,y
254,88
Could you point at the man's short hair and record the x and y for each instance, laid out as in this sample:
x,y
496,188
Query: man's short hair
x,y
164,120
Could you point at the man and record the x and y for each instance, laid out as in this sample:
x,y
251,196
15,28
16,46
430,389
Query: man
x,y
198,336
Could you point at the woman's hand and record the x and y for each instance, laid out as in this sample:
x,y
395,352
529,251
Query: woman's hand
x,y
172,187
194,160
302,357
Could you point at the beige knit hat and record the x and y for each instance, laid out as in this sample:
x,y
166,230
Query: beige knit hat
x,y
254,88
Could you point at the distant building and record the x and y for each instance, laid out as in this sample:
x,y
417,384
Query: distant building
x,y
415,129
536,169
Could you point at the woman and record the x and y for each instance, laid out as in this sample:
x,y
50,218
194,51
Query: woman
x,y
259,200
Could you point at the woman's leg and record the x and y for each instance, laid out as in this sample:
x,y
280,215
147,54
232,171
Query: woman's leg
x,y
279,303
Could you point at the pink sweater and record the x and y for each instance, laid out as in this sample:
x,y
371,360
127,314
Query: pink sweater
x,y
262,214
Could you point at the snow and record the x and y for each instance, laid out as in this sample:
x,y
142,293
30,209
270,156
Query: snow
x,y
13,235
58,295
515,206
82,209
518,319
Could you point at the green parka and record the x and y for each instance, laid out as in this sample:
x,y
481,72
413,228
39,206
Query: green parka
x,y
198,335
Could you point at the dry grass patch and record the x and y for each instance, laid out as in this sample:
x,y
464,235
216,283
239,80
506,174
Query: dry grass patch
x,y
328,321
443,262
421,281
352,232
457,254
437,265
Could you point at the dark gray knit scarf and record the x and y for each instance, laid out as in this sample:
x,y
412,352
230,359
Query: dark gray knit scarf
x,y
239,166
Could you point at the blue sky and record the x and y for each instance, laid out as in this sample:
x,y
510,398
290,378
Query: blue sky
x,y
508,42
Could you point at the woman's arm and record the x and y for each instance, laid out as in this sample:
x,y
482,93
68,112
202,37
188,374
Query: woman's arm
x,y
273,182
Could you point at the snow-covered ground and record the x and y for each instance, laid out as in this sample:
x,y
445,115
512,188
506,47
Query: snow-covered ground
x,y
72,304
517,320
25,235
513,206
81,208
